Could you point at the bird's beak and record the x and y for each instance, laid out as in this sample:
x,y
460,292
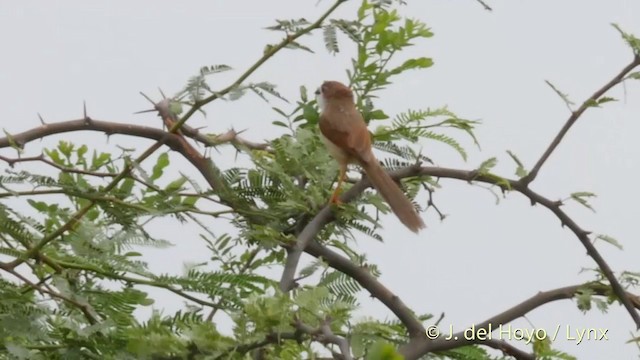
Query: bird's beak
x,y
318,91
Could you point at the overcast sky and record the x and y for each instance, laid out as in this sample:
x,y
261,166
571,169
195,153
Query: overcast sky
x,y
489,66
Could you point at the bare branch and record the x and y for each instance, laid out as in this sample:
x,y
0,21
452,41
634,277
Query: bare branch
x,y
418,347
576,115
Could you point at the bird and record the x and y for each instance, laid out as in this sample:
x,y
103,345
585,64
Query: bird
x,y
346,137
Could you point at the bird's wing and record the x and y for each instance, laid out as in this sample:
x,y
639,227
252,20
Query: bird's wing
x,y
348,131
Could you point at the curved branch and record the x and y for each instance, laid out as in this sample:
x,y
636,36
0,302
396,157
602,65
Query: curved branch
x,y
575,115
371,283
111,128
418,347
508,349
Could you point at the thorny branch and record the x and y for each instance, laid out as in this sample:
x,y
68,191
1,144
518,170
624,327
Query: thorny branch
x,y
417,345
308,234
575,115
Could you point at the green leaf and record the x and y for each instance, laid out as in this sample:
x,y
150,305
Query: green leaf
x,y
268,88
12,141
176,185
310,113
161,164
583,298
280,123
417,63
303,93
297,46
190,201
81,151
632,41
610,240
66,148
54,155
634,75
520,170
597,103
38,205
376,115
214,69
581,197
383,351
487,165
98,160
125,188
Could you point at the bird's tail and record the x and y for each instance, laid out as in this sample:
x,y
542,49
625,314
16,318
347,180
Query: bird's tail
x,y
393,195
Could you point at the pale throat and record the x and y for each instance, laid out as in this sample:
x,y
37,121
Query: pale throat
x,y
322,104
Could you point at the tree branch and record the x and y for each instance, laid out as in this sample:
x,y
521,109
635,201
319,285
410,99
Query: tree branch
x,y
418,347
86,309
110,128
305,239
576,115
325,335
371,283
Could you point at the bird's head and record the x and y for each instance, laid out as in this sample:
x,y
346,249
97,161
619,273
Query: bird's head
x,y
333,91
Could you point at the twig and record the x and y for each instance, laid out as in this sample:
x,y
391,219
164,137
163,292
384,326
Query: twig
x,y
432,204
484,5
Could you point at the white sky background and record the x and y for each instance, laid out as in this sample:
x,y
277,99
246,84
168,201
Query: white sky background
x,y
484,257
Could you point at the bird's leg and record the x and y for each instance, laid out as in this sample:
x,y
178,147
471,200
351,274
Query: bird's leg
x,y
336,193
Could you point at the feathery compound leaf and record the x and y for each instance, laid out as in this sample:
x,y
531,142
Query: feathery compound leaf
x,y
449,141
349,28
487,165
330,39
289,26
214,69
268,88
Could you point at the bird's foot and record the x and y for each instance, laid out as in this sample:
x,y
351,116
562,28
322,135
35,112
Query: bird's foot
x,y
335,200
